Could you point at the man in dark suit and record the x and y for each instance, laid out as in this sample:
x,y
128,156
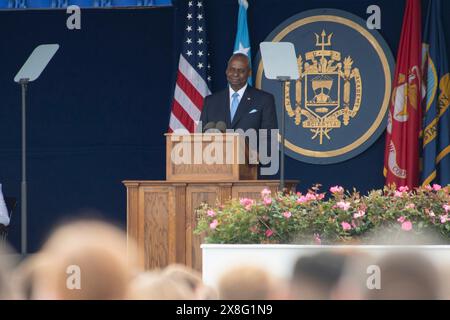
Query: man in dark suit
x,y
240,106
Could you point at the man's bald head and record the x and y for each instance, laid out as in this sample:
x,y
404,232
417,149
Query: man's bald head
x,y
238,71
240,56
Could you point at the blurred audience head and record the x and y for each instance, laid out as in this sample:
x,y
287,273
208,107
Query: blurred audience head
x,y
26,275
353,281
316,276
406,276
82,260
92,260
7,262
158,286
192,279
246,283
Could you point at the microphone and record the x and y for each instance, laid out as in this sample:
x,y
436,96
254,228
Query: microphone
x,y
209,125
221,126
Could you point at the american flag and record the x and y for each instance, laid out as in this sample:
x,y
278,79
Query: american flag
x,y
193,76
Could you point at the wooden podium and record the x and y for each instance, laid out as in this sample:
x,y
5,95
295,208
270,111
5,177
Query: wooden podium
x,y
161,214
209,157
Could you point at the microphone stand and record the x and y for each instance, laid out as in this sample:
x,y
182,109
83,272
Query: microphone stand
x,y
23,205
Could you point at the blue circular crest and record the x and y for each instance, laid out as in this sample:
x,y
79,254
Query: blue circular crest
x,y
338,107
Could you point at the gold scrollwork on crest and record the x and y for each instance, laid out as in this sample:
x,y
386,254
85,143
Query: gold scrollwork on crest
x,y
323,91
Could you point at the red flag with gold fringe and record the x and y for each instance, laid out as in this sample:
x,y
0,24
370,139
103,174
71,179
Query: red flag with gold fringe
x,y
401,158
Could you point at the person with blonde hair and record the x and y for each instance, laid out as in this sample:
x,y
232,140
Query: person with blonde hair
x,y
86,260
191,278
7,289
158,286
246,283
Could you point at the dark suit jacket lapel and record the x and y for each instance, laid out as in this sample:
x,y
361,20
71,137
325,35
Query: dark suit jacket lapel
x,y
225,108
244,106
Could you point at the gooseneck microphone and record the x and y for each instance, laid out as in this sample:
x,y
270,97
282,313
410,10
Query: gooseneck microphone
x,y
221,126
209,125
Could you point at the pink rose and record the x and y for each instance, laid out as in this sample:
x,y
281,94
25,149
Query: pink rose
x,y
317,239
245,201
401,219
336,189
287,214
211,213
302,199
213,225
410,206
446,208
444,219
269,233
320,196
266,193
398,194
346,226
310,196
353,224
436,187
428,187
299,194
343,205
407,226
267,201
403,189
359,214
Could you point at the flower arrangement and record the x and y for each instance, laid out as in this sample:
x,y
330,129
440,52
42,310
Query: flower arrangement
x,y
339,217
